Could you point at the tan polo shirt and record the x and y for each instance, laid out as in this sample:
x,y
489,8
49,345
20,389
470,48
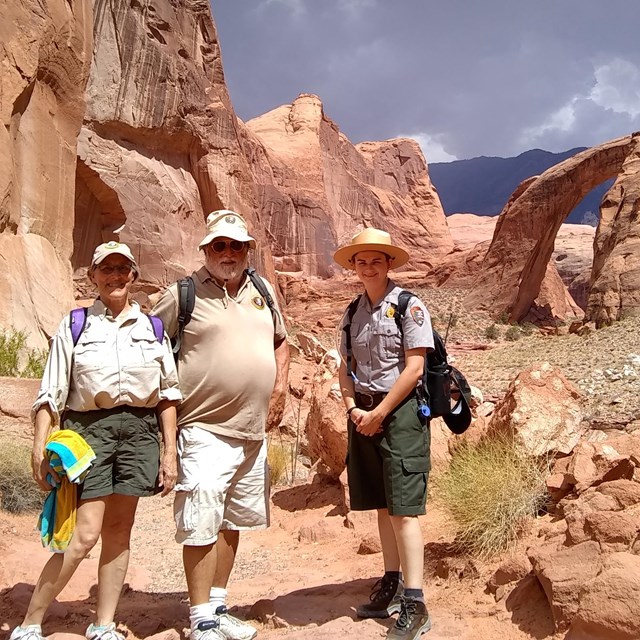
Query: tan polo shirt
x,y
376,342
227,364
117,361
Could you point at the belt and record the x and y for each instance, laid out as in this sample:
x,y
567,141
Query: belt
x,y
369,400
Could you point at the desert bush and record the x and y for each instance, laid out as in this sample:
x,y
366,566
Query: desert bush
x,y
528,328
278,458
13,350
492,493
513,333
492,332
19,492
503,318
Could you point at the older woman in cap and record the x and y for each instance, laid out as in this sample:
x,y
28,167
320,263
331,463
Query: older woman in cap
x,y
110,381
388,449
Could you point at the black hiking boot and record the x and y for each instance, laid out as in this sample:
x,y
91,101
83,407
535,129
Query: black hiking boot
x,y
384,599
413,621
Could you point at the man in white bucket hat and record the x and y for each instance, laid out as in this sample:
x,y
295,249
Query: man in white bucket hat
x,y
388,456
233,362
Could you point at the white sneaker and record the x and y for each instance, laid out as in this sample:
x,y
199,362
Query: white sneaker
x,y
30,632
232,628
207,630
106,632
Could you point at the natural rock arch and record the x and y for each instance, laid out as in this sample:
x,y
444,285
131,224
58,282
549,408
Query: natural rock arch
x,y
516,262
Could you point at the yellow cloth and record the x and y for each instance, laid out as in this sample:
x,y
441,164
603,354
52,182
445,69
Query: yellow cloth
x,y
70,457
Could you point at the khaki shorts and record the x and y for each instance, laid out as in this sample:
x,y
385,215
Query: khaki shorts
x,y
127,447
223,483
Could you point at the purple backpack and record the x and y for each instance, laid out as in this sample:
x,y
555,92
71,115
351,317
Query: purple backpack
x,y
78,319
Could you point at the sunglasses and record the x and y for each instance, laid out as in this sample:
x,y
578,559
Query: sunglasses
x,y
220,245
122,270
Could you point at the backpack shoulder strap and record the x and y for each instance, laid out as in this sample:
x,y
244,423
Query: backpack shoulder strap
x,y
403,302
77,322
158,328
261,287
351,311
186,303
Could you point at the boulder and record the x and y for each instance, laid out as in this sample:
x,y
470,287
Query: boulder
x,y
610,602
541,410
563,571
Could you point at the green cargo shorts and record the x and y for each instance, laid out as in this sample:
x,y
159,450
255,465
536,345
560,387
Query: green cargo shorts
x,y
390,470
127,447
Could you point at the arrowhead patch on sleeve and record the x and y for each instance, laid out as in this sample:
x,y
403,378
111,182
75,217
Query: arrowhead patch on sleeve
x,y
417,314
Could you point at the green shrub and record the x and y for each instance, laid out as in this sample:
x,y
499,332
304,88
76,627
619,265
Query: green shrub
x,y
492,332
503,318
513,333
492,493
13,350
19,492
528,328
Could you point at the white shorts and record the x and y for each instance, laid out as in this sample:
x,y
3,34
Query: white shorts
x,y
223,483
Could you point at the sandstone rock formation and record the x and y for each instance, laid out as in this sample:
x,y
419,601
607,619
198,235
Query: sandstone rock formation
x,y
45,58
518,258
615,282
322,189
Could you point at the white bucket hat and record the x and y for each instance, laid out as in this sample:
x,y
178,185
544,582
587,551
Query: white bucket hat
x,y
371,240
226,224
108,249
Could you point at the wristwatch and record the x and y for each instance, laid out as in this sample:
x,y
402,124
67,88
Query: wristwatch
x,y
350,410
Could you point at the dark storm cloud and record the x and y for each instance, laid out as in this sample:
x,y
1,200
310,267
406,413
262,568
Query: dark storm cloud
x,y
465,78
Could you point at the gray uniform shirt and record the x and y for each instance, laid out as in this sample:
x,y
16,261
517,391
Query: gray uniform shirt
x,y
376,342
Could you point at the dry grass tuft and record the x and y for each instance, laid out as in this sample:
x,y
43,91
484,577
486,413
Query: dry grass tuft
x,y
19,493
279,459
492,493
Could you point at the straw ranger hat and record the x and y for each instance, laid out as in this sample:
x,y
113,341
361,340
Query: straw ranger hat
x,y
371,240
226,224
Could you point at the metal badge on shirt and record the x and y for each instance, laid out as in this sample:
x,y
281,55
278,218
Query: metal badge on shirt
x,y
258,302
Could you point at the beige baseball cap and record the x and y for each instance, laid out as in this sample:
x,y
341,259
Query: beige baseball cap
x,y
226,224
109,248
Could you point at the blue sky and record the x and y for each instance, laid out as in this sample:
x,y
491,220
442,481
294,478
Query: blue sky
x,y
464,78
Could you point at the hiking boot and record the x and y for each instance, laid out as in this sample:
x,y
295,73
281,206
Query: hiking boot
x,y
106,632
30,632
207,630
233,629
384,599
413,621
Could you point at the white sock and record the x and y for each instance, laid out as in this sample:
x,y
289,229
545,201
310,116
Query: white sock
x,y
200,613
217,598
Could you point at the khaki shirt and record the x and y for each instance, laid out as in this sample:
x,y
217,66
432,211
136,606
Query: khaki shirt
x,y
227,364
117,361
376,342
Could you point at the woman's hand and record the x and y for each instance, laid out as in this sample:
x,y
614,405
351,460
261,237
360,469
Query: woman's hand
x,y
368,423
40,467
168,471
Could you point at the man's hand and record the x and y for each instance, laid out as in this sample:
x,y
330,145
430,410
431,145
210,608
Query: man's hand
x,y
168,473
276,408
40,467
368,423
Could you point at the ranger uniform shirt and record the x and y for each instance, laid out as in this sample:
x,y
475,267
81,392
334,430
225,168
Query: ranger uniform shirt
x,y
117,361
227,362
376,342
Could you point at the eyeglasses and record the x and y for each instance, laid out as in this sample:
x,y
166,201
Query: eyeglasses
x,y
122,270
220,245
